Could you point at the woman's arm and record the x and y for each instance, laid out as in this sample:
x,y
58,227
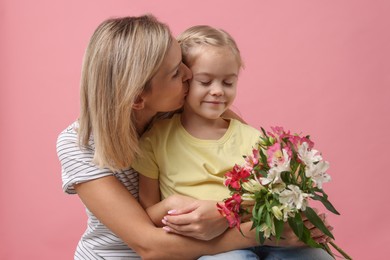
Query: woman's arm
x,y
116,208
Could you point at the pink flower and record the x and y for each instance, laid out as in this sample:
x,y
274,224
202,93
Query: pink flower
x,y
235,176
278,156
252,160
230,209
297,141
278,133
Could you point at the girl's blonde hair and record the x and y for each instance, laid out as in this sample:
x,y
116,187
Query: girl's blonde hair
x,y
201,35
121,58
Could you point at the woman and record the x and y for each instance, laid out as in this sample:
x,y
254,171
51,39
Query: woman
x,y
132,70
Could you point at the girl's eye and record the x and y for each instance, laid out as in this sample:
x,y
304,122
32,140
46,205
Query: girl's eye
x,y
228,83
205,83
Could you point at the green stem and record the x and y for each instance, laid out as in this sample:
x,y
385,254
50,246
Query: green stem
x,y
346,256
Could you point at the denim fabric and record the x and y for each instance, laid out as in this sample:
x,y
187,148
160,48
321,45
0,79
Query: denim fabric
x,y
291,253
232,255
272,253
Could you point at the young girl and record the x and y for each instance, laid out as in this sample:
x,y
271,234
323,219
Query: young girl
x,y
190,153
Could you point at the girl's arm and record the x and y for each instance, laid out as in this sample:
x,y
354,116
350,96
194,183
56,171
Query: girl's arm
x,y
149,191
116,208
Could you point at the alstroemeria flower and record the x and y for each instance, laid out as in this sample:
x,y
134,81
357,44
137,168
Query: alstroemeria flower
x,y
235,176
278,156
317,172
230,210
273,177
277,212
252,186
252,160
294,197
297,141
308,156
278,133
268,231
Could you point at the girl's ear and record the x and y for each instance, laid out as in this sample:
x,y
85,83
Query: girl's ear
x,y
139,103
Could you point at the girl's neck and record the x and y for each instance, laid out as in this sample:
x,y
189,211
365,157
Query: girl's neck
x,y
203,128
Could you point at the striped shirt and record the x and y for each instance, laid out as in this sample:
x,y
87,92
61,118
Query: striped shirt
x,y
97,242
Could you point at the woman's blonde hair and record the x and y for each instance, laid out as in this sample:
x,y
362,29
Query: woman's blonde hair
x,y
201,35
121,58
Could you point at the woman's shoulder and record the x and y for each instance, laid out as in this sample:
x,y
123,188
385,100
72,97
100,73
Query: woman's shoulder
x,y
67,140
70,132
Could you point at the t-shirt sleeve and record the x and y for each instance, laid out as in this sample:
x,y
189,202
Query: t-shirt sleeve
x,y
146,163
77,166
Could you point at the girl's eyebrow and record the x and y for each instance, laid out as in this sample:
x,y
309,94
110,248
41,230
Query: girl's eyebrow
x,y
210,75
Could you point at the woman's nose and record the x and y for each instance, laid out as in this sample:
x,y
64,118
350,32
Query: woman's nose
x,y
187,73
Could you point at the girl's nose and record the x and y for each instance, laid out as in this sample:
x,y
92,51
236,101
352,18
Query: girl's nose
x,y
216,89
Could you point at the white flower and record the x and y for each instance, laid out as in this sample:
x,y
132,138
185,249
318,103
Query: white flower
x,y
277,187
273,175
308,156
294,197
317,172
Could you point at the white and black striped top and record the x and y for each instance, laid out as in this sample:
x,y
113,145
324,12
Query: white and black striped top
x,y
98,242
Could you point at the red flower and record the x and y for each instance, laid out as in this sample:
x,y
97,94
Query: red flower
x,y
230,209
236,176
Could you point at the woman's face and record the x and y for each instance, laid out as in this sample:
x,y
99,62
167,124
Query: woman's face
x,y
169,86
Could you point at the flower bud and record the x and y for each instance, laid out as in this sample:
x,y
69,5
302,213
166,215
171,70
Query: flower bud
x,y
252,186
277,212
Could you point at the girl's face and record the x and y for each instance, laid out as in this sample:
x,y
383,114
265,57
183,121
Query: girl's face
x,y
214,83
170,84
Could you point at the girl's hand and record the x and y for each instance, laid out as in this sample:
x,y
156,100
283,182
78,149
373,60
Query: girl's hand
x,y
199,219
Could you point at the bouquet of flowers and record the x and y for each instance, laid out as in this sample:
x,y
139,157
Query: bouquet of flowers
x,y
279,178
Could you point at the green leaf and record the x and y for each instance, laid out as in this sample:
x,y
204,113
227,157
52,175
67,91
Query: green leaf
x,y
317,222
299,223
321,191
326,203
296,225
279,224
263,157
285,176
308,240
260,212
268,219
264,132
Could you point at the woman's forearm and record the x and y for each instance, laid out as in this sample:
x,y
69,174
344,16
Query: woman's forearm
x,y
116,208
170,246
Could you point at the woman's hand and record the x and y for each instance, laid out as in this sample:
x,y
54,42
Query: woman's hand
x,y
292,240
199,219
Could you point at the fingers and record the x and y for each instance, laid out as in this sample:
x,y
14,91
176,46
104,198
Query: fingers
x,y
191,207
171,227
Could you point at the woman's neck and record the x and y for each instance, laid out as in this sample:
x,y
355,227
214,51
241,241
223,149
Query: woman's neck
x,y
203,128
142,120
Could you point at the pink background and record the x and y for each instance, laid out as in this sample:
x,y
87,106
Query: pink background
x,y
321,67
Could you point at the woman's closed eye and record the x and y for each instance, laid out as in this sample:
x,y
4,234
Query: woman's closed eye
x,y
176,73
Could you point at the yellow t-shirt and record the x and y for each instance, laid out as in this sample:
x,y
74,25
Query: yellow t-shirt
x,y
190,166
